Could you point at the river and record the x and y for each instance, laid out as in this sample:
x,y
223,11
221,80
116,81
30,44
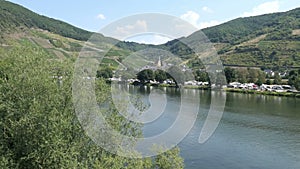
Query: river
x,y
256,131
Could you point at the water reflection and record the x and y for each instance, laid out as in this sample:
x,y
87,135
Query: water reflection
x,y
256,131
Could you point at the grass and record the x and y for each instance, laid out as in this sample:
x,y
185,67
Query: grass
x,y
196,87
109,62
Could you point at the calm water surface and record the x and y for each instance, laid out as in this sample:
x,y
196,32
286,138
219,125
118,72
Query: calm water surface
x,y
256,131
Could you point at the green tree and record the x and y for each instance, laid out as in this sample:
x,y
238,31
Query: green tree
x,y
146,75
230,74
169,160
104,73
253,75
201,76
294,79
242,75
277,78
261,78
160,75
39,128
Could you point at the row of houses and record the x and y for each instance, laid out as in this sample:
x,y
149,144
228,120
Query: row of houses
x,y
234,85
271,73
196,83
167,81
263,87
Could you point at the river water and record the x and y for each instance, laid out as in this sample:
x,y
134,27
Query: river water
x,y
255,131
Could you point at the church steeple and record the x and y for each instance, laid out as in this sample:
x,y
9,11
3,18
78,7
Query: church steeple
x,y
159,64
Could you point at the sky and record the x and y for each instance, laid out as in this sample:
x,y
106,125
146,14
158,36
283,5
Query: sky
x,y
93,15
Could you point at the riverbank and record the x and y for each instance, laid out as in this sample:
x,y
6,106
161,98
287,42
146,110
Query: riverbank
x,y
174,86
244,91
284,94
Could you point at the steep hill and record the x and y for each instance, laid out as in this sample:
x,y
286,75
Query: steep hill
x,y
59,39
13,16
270,41
243,29
267,41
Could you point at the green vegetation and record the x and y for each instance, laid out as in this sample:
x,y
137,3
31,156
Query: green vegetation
x,y
104,73
146,75
132,46
160,75
243,29
201,76
246,75
294,78
258,77
14,17
265,41
173,73
39,128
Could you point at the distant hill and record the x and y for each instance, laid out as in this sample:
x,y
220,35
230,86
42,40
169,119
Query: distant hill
x,y
243,29
59,39
270,41
266,41
14,16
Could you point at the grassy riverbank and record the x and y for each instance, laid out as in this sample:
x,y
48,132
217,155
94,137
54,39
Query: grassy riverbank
x,y
196,87
270,93
174,86
285,94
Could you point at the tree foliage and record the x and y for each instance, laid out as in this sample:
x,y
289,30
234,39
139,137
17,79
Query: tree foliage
x,y
160,75
201,76
294,78
230,74
104,73
146,75
38,125
277,78
243,75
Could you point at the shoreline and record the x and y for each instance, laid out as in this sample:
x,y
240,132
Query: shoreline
x,y
269,93
230,90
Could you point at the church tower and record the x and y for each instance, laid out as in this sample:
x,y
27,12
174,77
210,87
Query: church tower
x,y
159,64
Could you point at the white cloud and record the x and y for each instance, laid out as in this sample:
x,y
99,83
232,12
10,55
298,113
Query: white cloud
x,y
209,24
207,9
101,16
121,32
159,40
267,7
149,39
193,18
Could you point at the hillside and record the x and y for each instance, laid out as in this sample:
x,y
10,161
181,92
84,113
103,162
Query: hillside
x,y
14,17
243,29
266,41
19,26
